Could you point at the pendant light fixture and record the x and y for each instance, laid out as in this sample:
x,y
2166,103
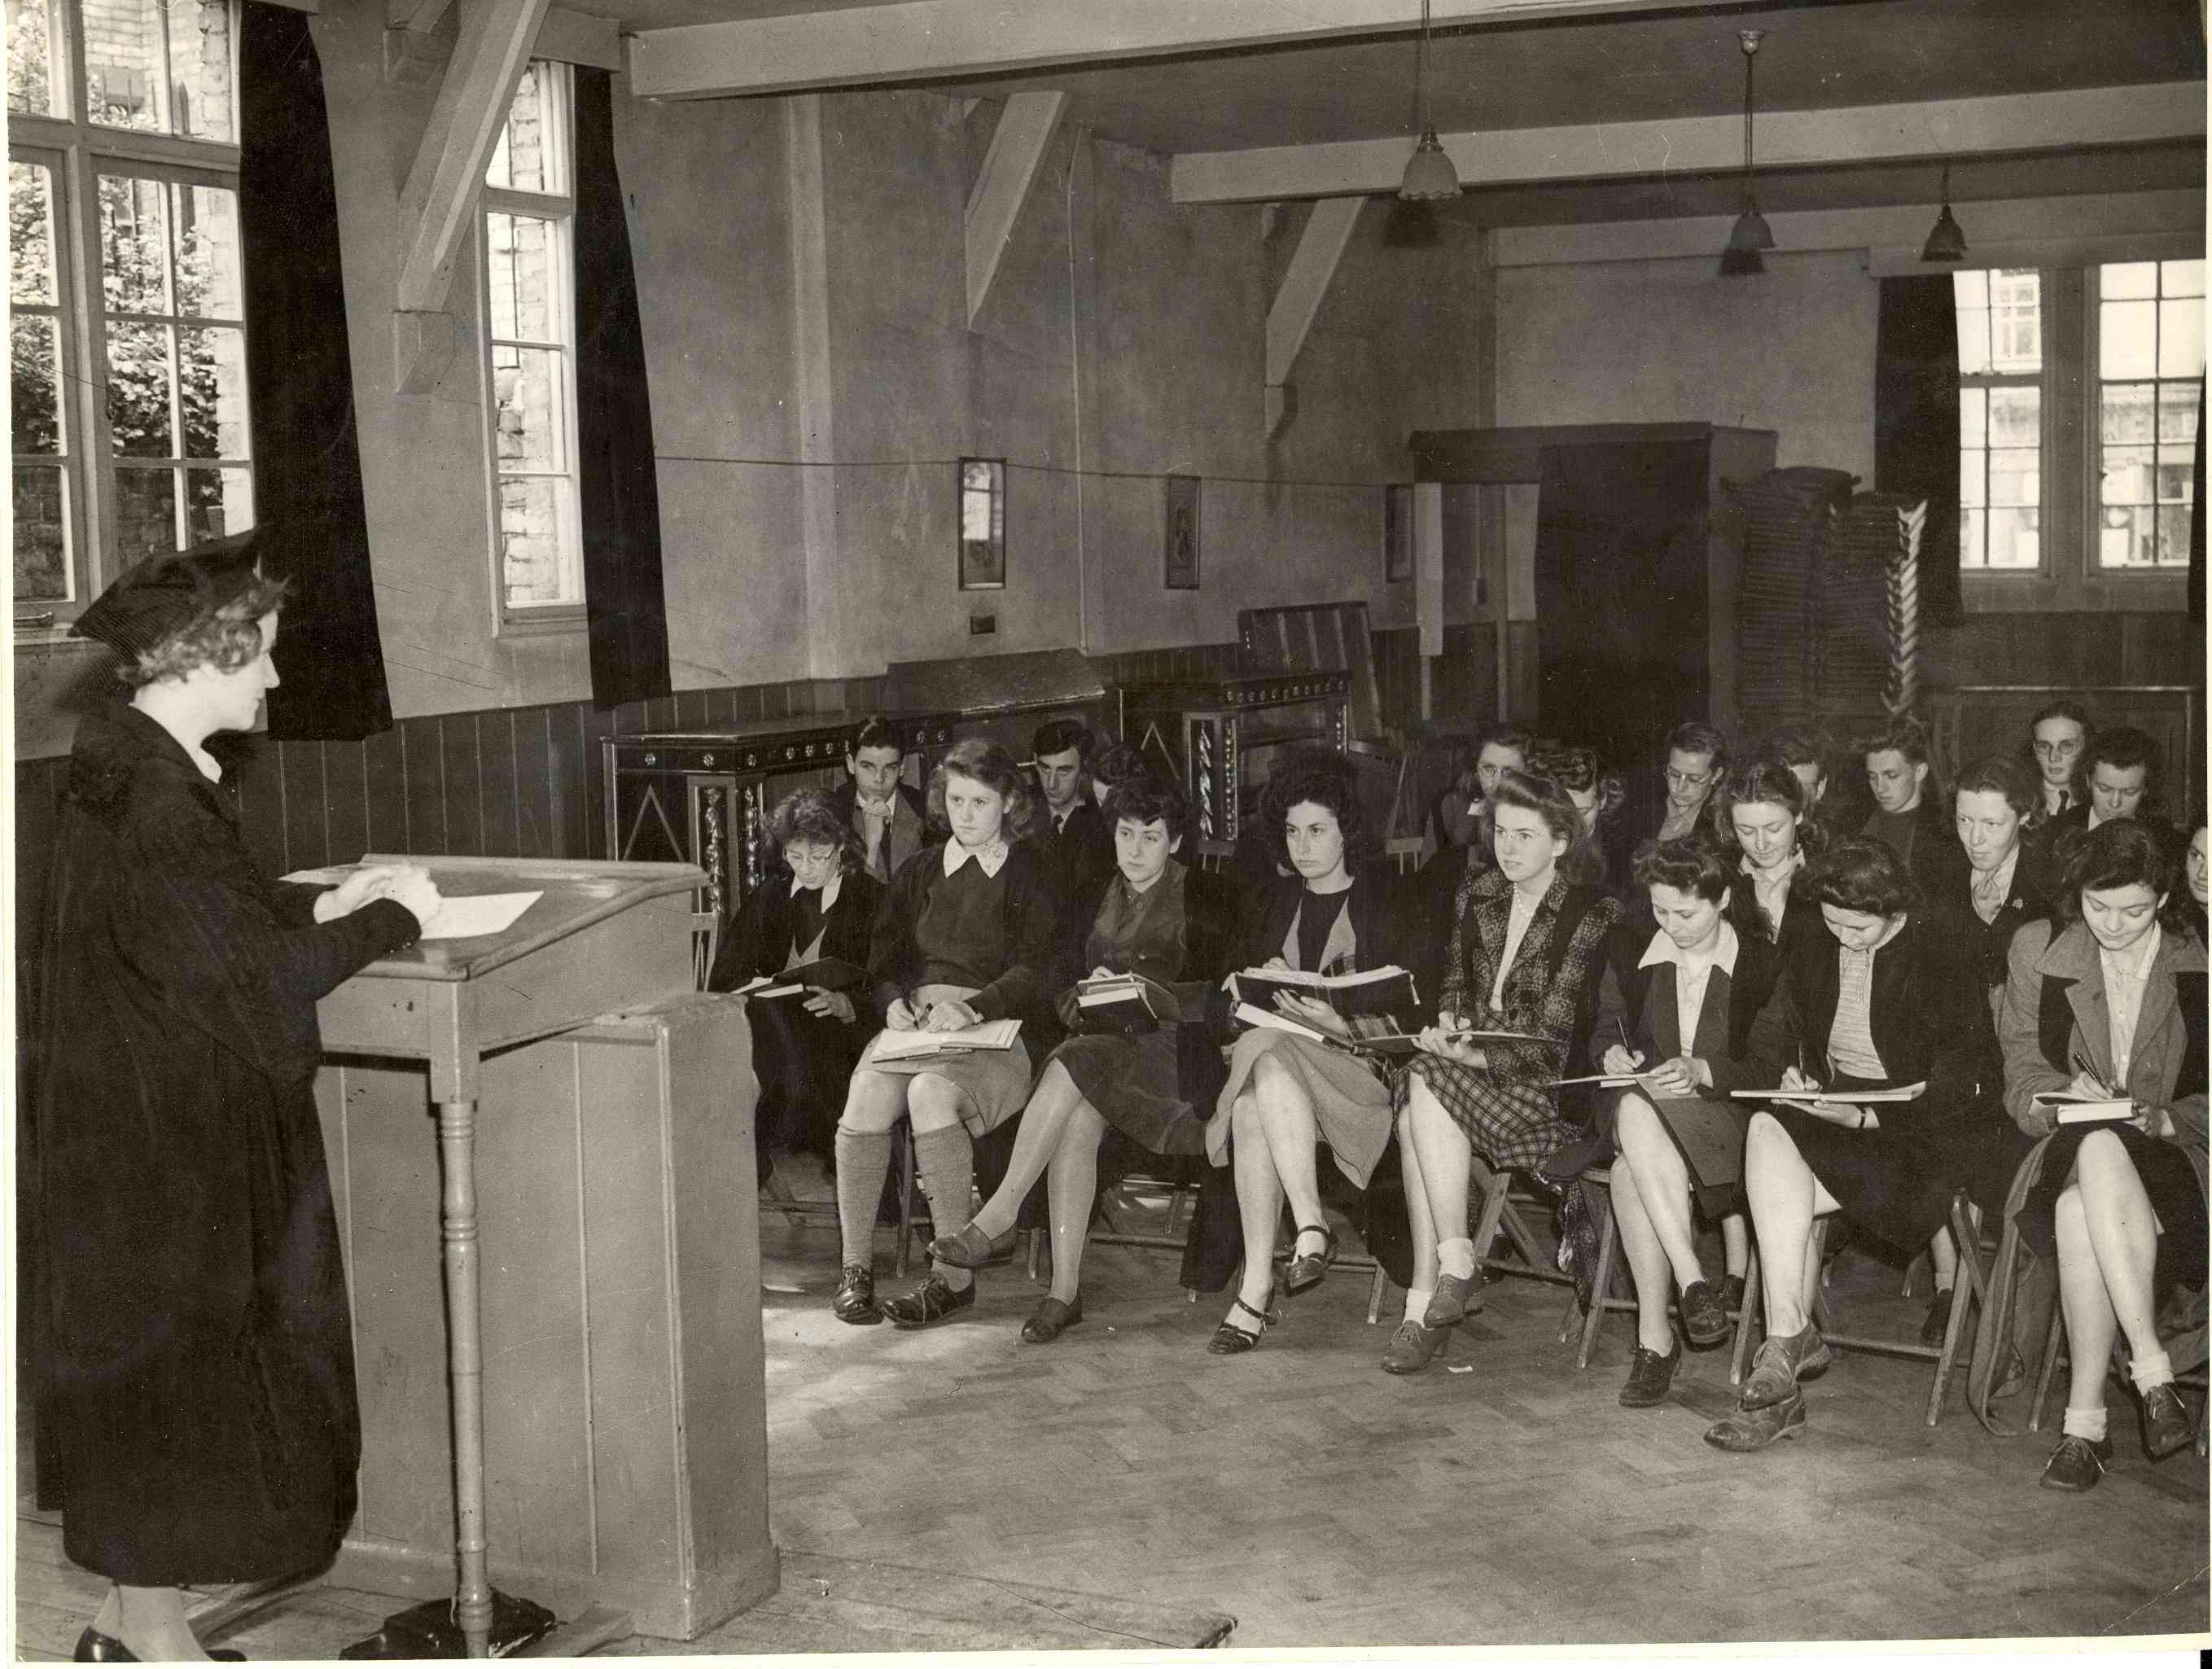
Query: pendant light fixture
x,y
1946,242
1750,234
1430,176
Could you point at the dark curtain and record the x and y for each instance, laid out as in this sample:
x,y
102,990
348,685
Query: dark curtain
x,y
620,495
306,475
2197,518
1916,426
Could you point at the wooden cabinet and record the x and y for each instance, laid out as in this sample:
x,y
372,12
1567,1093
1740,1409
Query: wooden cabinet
x,y
1217,739
704,797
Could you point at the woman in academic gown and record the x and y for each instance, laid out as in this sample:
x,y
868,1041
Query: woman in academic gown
x,y
201,1384
823,905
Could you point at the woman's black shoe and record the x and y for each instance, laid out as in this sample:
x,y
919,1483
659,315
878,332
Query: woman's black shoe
x,y
1650,1375
927,1304
1306,1273
1704,1318
2165,1424
2077,1464
1050,1319
855,1301
94,1647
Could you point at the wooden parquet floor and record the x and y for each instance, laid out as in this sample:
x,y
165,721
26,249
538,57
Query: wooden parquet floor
x,y
1322,1502
934,1490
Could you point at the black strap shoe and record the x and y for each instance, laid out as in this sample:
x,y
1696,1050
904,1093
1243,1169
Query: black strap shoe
x,y
927,1304
1650,1376
855,1301
94,1647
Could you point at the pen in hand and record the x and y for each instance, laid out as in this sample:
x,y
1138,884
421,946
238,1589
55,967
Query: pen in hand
x,y
2082,1066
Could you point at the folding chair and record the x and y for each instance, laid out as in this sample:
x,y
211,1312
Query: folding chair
x,y
1497,1214
1973,1269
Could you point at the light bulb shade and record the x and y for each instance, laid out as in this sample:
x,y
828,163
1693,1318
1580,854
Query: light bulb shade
x,y
1430,176
1741,263
1946,242
1751,231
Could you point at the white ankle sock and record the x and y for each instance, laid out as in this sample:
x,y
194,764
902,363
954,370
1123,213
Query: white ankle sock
x,y
1417,1301
2151,1367
1457,1257
2085,1422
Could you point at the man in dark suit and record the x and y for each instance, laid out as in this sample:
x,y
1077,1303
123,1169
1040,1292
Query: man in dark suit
x,y
1073,833
888,815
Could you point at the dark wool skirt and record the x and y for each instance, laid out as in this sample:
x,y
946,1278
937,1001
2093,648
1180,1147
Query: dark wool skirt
x,y
1135,1083
1709,1135
1897,1181
2167,1177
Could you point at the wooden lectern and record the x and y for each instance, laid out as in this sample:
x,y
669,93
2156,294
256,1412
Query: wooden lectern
x,y
592,1192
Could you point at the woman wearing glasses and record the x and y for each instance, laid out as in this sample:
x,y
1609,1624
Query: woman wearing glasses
x,y
823,905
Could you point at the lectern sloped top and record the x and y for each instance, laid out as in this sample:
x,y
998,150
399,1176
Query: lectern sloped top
x,y
578,896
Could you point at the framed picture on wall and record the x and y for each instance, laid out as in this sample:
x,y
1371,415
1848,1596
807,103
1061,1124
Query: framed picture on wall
x,y
1397,533
983,524
1179,568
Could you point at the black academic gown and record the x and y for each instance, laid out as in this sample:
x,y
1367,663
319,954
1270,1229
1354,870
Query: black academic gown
x,y
201,1379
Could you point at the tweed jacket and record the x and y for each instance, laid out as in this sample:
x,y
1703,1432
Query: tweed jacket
x,y
2167,1067
1557,1007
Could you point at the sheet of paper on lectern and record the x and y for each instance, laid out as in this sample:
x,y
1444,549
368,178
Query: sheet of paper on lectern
x,y
475,916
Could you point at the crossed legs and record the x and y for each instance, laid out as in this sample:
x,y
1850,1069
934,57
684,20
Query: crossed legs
x,y
1272,1134
2107,1254
1058,1140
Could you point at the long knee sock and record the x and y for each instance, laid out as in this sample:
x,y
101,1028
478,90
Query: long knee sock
x,y
946,1162
1072,1184
864,1159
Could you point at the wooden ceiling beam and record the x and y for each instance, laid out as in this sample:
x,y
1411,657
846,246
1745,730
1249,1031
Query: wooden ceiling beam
x,y
1010,167
1935,131
863,46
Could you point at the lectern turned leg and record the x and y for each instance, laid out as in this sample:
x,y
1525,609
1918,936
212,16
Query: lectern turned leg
x,y
457,1146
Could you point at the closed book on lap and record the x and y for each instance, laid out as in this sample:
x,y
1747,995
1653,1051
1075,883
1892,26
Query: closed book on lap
x,y
830,973
1378,991
1125,1005
2069,1108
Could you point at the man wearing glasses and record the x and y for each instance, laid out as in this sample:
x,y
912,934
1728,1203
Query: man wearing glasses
x,y
1697,757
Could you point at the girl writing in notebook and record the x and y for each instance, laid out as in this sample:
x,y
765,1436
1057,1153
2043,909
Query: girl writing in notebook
x,y
1527,949
1888,996
966,934
2109,1002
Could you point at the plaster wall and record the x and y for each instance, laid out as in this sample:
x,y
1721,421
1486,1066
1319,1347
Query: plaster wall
x,y
1671,341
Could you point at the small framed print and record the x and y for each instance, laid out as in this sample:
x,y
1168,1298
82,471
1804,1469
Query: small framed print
x,y
983,524
1179,569
1397,533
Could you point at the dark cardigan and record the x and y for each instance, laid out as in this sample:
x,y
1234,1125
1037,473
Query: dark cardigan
x,y
1027,929
759,940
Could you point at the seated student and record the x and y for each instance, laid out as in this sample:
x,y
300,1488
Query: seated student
x,y
1695,991
1339,914
1597,793
1070,832
886,814
2001,889
1911,815
2110,1001
1765,821
1457,819
1171,924
1676,804
2119,777
1889,996
821,904
1527,946
966,933
1805,750
2055,738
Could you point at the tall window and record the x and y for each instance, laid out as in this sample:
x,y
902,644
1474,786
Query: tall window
x,y
2000,418
529,271
127,351
2150,357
